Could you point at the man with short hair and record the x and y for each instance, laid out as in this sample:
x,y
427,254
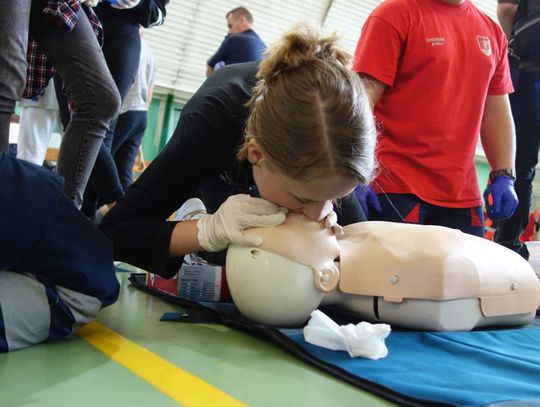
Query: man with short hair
x,y
242,44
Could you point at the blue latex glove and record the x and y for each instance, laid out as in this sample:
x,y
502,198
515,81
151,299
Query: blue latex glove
x,y
500,198
367,198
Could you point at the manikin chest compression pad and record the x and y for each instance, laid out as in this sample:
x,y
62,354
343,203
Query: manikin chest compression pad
x,y
435,263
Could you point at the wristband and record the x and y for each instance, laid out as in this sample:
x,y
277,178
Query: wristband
x,y
507,172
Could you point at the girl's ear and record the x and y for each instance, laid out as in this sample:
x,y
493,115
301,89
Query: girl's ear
x,y
255,153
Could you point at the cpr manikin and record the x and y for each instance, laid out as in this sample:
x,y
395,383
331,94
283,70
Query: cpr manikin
x,y
416,276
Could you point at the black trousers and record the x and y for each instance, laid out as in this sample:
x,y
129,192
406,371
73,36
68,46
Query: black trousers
x,y
525,103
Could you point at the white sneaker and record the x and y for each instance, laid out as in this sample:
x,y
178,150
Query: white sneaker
x,y
193,208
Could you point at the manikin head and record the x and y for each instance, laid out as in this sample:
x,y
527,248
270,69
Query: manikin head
x,y
284,280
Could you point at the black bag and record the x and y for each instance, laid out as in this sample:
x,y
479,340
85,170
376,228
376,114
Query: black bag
x,y
524,43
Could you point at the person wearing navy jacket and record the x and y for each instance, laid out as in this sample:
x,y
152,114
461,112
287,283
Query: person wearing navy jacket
x,y
56,268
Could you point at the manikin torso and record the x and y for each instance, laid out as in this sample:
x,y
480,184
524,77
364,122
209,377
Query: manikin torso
x,y
430,271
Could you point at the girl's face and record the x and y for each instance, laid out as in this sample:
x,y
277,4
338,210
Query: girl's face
x,y
308,198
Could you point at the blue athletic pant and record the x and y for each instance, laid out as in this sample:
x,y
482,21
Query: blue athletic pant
x,y
408,208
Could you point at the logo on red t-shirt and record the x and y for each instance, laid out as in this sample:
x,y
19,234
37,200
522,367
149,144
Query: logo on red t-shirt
x,y
436,41
484,44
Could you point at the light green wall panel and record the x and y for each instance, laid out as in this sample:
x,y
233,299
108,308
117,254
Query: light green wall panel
x,y
149,145
482,172
163,116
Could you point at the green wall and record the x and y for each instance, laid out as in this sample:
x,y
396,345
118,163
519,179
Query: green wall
x,y
163,114
482,172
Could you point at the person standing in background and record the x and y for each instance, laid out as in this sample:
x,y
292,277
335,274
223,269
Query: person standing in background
x,y
437,75
525,103
131,124
242,44
122,48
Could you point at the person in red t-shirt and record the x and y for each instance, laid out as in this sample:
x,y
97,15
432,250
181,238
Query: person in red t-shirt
x,y
437,75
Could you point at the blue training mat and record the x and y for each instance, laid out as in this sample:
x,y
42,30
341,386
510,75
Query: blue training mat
x,y
460,368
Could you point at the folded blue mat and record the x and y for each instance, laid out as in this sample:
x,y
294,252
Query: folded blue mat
x,y
461,368
496,367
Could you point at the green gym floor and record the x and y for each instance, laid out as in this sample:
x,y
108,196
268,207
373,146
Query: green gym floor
x,y
129,358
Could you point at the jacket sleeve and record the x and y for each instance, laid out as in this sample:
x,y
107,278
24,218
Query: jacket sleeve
x,y
204,145
221,54
138,225
150,13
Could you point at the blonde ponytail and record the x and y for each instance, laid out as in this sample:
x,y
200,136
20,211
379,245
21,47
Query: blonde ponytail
x,y
300,46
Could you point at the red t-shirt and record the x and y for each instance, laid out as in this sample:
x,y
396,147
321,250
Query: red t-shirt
x,y
439,62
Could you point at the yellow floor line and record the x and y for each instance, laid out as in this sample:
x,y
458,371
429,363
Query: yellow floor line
x,y
181,386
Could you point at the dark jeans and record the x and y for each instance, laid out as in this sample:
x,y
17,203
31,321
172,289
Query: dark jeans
x,y
65,115
408,208
14,19
79,60
122,49
526,112
127,139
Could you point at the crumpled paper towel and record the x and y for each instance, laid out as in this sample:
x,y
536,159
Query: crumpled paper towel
x,y
363,339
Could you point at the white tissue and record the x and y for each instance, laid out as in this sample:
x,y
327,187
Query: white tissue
x,y
363,339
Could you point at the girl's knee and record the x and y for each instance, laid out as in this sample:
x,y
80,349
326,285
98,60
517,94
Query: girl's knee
x,y
108,103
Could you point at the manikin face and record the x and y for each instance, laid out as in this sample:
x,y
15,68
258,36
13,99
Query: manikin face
x,y
285,279
307,198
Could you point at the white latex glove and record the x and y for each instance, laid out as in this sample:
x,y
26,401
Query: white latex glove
x,y
237,213
330,219
90,3
124,4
